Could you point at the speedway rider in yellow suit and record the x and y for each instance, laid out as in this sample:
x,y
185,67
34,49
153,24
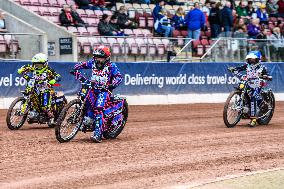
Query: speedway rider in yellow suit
x,y
43,77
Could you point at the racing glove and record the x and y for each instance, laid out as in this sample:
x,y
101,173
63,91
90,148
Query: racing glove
x,y
52,82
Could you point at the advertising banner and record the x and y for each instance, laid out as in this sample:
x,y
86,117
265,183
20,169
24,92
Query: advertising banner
x,y
146,78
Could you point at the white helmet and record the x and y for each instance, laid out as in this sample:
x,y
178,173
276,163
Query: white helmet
x,y
252,60
40,61
251,56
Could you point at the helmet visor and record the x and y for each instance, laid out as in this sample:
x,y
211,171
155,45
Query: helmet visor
x,y
251,61
38,65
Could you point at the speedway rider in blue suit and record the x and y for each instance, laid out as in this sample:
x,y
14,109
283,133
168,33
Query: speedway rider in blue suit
x,y
105,77
253,70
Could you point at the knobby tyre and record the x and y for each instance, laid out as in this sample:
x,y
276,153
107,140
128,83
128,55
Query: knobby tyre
x,y
112,134
231,113
69,121
13,113
270,106
52,125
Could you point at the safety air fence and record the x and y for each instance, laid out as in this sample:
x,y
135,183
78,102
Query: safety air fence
x,y
149,83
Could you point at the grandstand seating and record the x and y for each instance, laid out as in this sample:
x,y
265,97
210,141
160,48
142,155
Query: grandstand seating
x,y
140,41
8,44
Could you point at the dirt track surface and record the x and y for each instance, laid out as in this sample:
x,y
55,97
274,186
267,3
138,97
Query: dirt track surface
x,y
162,146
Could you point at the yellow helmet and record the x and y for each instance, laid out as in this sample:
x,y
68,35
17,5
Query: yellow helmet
x,y
40,61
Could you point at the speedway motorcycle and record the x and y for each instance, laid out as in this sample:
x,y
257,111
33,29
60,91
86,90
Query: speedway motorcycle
x,y
28,107
237,105
73,117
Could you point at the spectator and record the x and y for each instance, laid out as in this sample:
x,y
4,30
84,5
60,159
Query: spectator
x,y
157,9
227,19
110,4
99,4
206,8
179,20
215,19
195,20
250,9
66,18
2,22
85,4
262,15
242,11
78,20
240,24
105,29
253,28
115,27
277,49
272,8
123,19
163,24
280,4
240,33
173,2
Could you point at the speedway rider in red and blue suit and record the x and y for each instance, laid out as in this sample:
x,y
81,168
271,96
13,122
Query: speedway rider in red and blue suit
x,y
105,77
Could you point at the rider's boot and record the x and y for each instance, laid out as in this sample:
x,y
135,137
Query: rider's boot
x,y
252,122
97,133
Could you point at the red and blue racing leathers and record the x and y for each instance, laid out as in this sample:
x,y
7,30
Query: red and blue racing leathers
x,y
108,78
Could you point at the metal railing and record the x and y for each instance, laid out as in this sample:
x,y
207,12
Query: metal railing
x,y
134,49
235,50
21,46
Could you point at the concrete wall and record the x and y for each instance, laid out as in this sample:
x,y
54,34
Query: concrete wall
x,y
53,31
34,43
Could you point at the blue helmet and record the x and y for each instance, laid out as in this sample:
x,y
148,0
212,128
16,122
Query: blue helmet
x,y
256,53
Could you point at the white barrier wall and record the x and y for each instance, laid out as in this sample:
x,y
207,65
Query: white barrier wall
x,y
161,99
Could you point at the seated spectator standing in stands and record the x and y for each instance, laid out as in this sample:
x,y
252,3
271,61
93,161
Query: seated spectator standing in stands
x,y
2,22
99,4
240,25
215,20
179,20
250,9
272,8
262,15
163,24
123,19
65,17
77,18
227,19
158,9
85,4
105,29
195,20
115,27
277,48
262,44
242,11
173,2
206,8
253,28
280,4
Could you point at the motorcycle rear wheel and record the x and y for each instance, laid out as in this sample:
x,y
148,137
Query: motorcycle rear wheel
x,y
266,119
113,133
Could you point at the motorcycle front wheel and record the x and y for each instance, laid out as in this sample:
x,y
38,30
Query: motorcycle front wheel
x,y
17,113
232,110
69,121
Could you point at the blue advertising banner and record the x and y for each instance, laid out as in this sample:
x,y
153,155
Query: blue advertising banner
x,y
146,78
